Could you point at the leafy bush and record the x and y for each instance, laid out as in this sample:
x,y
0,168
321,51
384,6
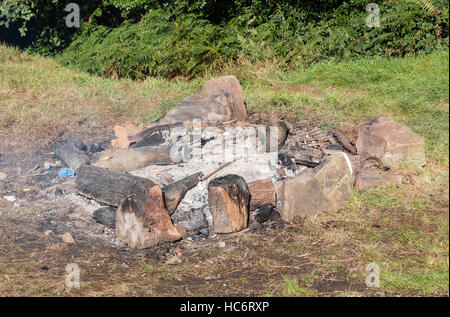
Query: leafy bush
x,y
154,46
138,38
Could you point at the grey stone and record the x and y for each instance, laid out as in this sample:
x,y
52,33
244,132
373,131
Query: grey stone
x,y
106,216
192,220
204,231
71,152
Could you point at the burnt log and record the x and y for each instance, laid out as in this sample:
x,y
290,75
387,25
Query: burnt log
x,y
344,141
308,163
142,221
229,198
272,138
151,135
286,161
109,187
264,213
98,146
125,160
175,192
283,131
71,152
154,139
261,192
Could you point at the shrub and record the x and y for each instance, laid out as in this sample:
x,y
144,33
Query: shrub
x,y
138,38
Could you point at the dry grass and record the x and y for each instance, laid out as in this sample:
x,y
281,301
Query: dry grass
x,y
41,101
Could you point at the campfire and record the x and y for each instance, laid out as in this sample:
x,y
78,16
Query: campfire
x,y
208,167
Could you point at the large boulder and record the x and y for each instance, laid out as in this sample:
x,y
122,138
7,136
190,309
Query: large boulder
x,y
324,188
220,99
392,142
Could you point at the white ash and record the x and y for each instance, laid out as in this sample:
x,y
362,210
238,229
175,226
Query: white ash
x,y
223,147
192,220
10,198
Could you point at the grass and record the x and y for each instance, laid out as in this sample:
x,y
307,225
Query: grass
x,y
409,241
403,229
292,288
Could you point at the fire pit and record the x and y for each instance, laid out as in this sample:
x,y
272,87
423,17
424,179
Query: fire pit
x,y
209,168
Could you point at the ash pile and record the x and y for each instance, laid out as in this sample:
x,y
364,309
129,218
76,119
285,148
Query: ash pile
x,y
209,167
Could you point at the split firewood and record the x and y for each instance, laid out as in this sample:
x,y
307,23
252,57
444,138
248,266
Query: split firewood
x,y
344,141
175,192
229,198
154,138
125,160
123,134
142,221
109,187
261,192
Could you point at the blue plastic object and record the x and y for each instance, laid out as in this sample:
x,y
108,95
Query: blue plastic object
x,y
66,173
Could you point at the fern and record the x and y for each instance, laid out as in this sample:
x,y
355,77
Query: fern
x,y
425,5
171,43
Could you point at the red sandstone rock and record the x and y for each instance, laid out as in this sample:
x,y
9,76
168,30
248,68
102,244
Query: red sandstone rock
x,y
390,141
220,99
372,177
324,188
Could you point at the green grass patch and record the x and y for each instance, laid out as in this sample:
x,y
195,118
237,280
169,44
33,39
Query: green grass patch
x,y
293,288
